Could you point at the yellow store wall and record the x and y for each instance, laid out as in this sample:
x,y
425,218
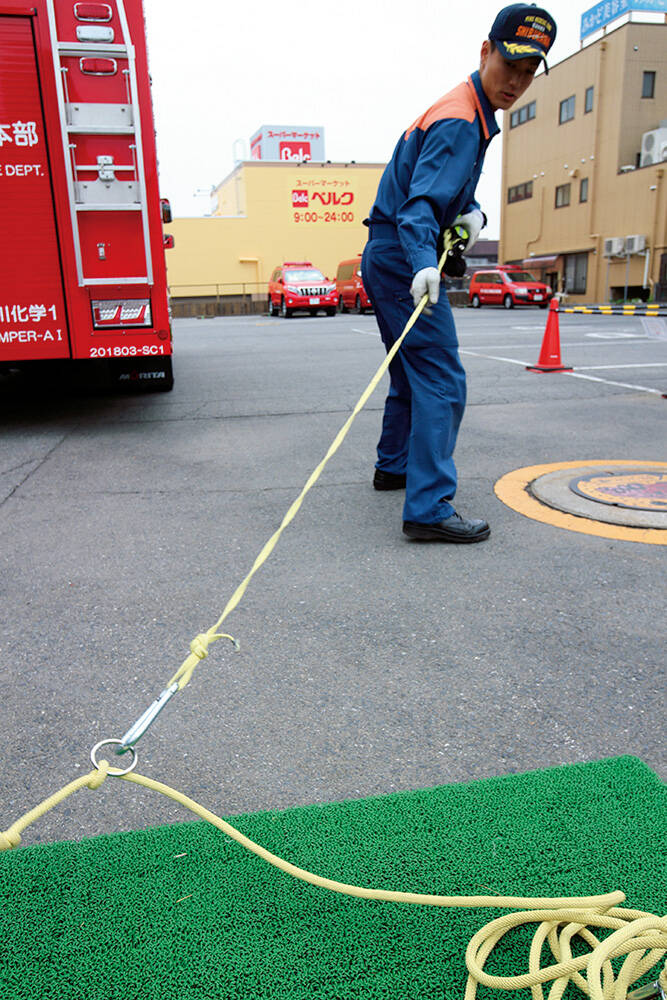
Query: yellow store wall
x,y
256,226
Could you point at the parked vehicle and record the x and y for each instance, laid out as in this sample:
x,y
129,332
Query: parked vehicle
x,y
350,288
507,286
298,285
83,271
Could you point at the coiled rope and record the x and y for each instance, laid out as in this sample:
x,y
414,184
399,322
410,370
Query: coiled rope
x,y
640,936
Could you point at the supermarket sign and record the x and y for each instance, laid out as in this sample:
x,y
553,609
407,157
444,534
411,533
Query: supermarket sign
x,y
602,14
288,144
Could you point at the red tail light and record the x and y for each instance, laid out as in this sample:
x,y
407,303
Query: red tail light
x,y
126,312
92,12
98,67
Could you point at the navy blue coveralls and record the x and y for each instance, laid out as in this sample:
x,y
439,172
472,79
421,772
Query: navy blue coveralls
x,y
430,179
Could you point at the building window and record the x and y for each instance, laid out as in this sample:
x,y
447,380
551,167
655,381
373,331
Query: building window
x,y
566,112
583,189
520,192
524,114
648,83
576,270
562,195
588,100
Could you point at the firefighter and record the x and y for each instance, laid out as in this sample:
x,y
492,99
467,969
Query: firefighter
x,y
429,185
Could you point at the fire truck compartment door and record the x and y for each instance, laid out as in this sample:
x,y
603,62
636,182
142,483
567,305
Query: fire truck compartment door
x,y
32,309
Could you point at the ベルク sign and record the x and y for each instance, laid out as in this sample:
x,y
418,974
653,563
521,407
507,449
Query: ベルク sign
x,y
601,14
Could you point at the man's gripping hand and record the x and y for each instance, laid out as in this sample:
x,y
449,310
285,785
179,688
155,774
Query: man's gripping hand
x,y
426,280
473,222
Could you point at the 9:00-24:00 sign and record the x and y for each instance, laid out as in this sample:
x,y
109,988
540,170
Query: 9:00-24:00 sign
x,y
324,216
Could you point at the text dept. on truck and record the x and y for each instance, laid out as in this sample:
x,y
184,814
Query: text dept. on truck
x,y
82,269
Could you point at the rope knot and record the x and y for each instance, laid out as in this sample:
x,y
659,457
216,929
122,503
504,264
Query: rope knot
x,y
9,839
199,645
96,777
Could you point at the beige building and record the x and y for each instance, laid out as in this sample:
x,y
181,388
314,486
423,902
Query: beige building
x,y
266,213
584,167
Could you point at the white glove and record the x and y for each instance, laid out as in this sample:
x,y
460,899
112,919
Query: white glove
x,y
473,222
426,280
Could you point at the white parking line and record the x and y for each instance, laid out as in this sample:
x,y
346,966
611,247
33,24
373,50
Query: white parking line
x,y
576,374
370,333
623,385
614,335
646,364
494,357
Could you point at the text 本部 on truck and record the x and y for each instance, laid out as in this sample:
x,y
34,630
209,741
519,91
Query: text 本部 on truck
x,y
83,272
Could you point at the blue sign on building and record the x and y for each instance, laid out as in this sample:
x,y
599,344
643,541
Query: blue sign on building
x,y
597,17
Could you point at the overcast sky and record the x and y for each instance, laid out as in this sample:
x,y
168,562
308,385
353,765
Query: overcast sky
x,y
361,69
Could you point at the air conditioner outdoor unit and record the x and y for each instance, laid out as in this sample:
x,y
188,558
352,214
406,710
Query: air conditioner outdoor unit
x,y
635,244
654,147
614,247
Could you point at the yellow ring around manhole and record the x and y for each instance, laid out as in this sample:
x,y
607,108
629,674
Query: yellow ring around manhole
x,y
512,490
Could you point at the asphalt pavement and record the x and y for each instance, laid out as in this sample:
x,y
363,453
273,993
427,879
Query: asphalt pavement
x,y
368,663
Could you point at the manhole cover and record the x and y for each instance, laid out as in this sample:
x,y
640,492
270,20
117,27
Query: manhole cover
x,y
619,499
634,490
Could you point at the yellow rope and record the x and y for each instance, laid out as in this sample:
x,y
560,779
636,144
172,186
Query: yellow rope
x,y
12,836
199,645
642,937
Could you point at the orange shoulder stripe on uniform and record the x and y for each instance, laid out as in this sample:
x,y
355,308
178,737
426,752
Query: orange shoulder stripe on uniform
x,y
482,116
461,103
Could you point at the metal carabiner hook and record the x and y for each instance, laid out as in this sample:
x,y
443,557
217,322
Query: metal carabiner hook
x,y
136,731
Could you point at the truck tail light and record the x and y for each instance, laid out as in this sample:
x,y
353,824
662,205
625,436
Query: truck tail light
x,y
98,67
125,312
92,11
165,208
168,241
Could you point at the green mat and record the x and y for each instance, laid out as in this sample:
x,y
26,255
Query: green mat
x,y
183,912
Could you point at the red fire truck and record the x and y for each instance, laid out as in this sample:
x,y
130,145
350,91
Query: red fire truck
x,y
82,269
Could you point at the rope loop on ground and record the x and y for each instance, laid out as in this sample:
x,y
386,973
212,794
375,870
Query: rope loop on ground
x,y
641,937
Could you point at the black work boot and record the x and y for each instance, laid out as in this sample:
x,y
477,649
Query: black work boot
x,y
453,529
388,480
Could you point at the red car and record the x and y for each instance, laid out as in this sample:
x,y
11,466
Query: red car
x,y
299,285
507,286
350,287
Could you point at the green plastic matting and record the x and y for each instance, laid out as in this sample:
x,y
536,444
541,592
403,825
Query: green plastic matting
x,y
183,912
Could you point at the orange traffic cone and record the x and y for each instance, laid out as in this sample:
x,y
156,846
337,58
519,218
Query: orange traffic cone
x,y
549,360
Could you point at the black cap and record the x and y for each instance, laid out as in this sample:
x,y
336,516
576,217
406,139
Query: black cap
x,y
524,31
